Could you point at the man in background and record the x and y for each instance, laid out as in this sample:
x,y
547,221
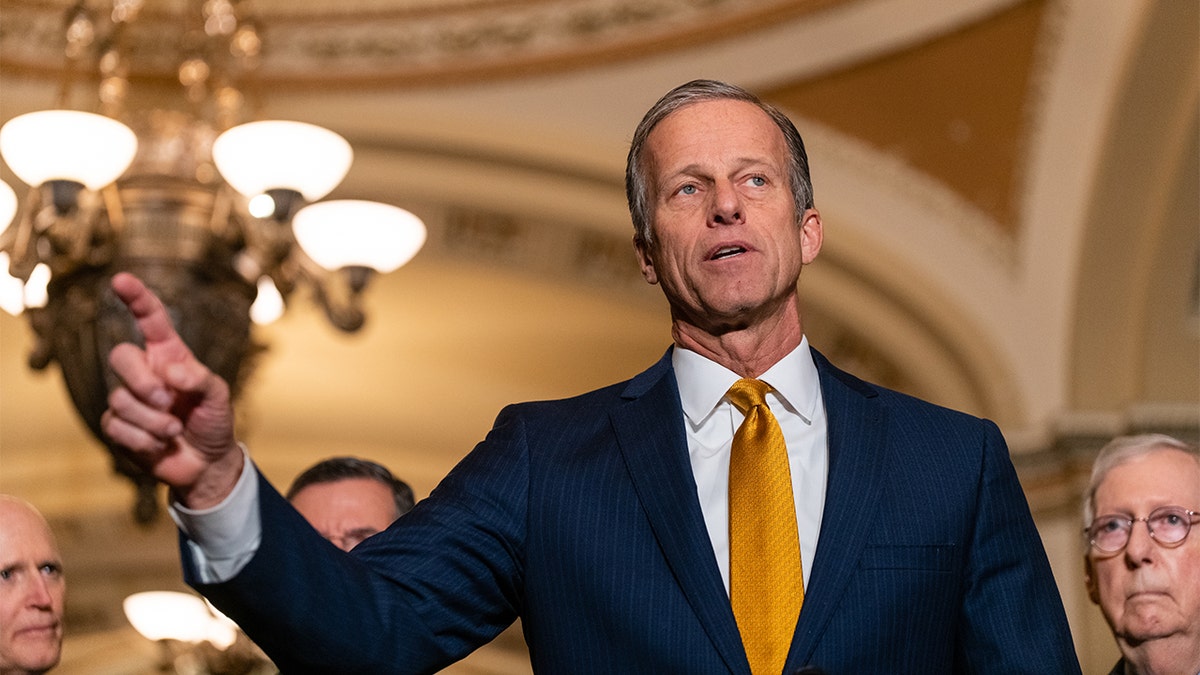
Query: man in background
x,y
1146,580
348,499
32,590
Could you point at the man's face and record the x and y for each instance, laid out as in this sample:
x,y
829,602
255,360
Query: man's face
x,y
1149,590
32,590
347,511
727,245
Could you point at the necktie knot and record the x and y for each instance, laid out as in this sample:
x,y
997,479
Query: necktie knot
x,y
747,393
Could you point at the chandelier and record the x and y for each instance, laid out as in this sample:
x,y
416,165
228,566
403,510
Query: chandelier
x,y
223,218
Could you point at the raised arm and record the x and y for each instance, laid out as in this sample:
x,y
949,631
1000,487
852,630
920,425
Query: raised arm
x,y
171,412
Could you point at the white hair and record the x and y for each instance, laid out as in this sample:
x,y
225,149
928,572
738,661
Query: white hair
x,y
1122,449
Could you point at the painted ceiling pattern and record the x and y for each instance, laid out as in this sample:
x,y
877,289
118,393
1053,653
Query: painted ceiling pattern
x,y
389,42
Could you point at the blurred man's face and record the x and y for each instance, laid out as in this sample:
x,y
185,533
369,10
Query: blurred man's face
x,y
347,511
1149,590
32,590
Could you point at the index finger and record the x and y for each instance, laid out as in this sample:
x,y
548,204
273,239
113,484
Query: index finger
x,y
148,311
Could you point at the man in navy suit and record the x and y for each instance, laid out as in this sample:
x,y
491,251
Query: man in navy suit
x,y
602,521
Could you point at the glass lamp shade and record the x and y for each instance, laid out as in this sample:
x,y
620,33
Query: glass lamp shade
x,y
348,232
170,615
83,147
275,154
8,206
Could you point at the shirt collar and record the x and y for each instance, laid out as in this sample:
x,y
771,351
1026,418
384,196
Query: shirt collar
x,y
703,383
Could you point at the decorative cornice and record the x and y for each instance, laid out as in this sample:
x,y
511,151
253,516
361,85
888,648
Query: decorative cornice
x,y
372,44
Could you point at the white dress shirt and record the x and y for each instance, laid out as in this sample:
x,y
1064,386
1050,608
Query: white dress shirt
x,y
711,421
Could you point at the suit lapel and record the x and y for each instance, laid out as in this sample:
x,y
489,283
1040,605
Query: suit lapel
x,y
856,466
649,431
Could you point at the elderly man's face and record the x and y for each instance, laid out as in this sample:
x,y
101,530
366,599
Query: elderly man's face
x,y
31,591
1149,590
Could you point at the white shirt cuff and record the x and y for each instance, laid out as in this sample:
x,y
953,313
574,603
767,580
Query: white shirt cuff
x,y
223,538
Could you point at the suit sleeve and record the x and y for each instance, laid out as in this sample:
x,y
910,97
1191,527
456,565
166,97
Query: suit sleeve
x,y
443,580
1012,615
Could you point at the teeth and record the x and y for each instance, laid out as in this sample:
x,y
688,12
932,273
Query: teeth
x,y
726,252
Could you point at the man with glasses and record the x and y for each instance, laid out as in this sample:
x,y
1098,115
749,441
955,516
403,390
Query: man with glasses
x,y
1141,567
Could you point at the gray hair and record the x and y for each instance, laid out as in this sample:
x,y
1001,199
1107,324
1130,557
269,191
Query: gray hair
x,y
637,187
1124,449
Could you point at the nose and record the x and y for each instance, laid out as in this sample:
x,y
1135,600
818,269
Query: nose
x,y
1141,547
727,208
38,593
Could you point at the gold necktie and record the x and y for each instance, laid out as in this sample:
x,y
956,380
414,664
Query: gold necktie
x,y
766,584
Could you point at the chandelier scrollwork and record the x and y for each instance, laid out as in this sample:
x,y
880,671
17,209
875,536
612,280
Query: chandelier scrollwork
x,y
222,217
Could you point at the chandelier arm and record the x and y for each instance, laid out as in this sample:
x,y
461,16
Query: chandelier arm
x,y
78,16
22,257
269,243
80,229
338,293
113,208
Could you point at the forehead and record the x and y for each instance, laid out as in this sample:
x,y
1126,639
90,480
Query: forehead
x,y
350,492
1162,477
24,535
716,129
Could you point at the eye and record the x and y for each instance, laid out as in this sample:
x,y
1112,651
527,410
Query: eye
x,y
687,190
1171,519
758,181
51,569
5,574
1109,524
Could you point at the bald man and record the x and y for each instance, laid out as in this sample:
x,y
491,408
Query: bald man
x,y
32,590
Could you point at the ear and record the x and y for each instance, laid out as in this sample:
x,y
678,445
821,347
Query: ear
x,y
1089,580
812,232
645,260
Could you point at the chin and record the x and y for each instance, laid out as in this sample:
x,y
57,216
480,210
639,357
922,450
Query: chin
x,y
1150,627
37,659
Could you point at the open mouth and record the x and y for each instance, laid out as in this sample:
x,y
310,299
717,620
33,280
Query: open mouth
x,y
726,252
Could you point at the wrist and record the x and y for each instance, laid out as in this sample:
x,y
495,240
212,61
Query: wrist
x,y
215,481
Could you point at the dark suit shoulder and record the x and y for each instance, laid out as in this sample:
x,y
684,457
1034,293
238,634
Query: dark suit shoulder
x,y
835,381
602,398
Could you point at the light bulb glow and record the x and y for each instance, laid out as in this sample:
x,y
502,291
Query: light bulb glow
x,y
67,145
268,304
261,206
169,615
36,289
348,232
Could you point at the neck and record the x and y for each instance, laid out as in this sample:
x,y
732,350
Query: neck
x,y
748,351
1174,655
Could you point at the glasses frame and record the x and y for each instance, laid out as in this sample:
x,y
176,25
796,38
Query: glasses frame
x,y
1129,520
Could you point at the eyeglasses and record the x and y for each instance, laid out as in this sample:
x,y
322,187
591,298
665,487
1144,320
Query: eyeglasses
x,y
1168,525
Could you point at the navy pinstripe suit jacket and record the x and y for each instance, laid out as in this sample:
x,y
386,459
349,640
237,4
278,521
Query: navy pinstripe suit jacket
x,y
581,517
